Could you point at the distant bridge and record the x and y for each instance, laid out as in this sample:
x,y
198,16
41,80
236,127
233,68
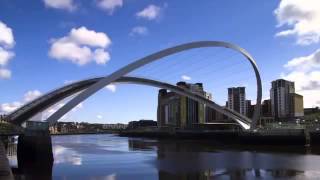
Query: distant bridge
x,y
91,86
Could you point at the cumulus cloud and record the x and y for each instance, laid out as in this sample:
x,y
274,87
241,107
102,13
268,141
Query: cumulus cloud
x,y
305,63
151,12
109,5
101,56
302,19
6,38
84,36
31,95
139,30
5,56
6,43
60,4
304,71
81,47
5,73
9,107
185,78
111,87
28,96
6,108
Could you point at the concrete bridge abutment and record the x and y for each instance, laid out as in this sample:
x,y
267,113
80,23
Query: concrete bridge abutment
x,y
34,154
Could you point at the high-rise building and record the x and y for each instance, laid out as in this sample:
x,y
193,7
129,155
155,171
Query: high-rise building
x,y
237,99
180,111
285,104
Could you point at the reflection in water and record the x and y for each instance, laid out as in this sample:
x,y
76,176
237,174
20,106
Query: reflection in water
x,y
66,155
202,161
108,157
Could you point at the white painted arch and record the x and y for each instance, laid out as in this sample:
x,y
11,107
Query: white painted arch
x,y
154,57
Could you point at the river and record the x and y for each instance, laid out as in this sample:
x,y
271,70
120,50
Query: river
x,y
110,157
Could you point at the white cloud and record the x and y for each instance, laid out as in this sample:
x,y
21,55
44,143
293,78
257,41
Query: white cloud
x,y
84,36
111,87
139,30
304,71
60,4
31,95
5,73
110,5
99,116
81,47
305,63
6,38
9,107
63,50
28,96
151,12
101,56
68,82
303,19
5,56
6,42
185,78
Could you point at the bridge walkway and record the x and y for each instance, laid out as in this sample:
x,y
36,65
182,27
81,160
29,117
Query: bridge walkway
x,y
5,170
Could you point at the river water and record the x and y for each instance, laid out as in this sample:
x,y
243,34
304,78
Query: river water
x,y
110,157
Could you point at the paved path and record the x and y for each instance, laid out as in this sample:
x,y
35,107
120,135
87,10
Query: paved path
x,y
5,170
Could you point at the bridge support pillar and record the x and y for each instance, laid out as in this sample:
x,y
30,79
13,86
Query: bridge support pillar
x,y
34,154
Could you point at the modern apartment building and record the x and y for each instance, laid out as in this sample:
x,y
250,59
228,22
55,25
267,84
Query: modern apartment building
x,y
285,103
180,111
237,99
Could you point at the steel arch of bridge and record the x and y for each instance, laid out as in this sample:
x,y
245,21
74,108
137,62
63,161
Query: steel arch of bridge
x,y
156,56
42,103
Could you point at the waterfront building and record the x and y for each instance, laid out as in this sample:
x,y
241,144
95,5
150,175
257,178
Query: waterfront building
x,y
312,110
114,126
285,103
266,110
249,108
180,111
297,105
281,100
237,99
142,124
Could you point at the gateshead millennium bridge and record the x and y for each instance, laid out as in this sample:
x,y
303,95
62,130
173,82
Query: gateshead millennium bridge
x,y
86,88
36,144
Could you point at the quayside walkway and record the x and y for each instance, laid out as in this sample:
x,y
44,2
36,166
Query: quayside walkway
x,y
5,170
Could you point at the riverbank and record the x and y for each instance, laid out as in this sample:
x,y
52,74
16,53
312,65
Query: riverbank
x,y
271,137
84,133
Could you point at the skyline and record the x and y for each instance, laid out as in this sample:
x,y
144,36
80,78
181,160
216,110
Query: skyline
x,y
97,49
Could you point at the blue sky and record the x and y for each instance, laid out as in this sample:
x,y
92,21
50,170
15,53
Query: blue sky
x,y
53,42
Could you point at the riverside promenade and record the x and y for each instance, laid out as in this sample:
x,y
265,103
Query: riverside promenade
x,y
5,170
